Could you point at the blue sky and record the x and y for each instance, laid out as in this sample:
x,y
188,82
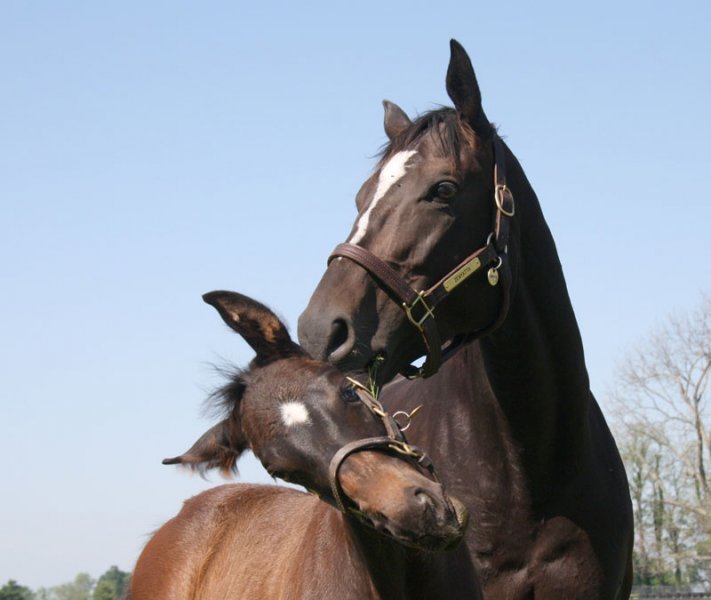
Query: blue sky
x,y
155,151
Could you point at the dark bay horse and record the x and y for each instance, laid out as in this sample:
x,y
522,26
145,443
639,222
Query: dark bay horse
x,y
450,258
309,424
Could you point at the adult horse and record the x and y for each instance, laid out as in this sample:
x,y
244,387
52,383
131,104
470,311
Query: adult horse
x,y
450,244
309,424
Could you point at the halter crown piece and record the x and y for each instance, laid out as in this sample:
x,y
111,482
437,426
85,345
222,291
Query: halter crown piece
x,y
419,306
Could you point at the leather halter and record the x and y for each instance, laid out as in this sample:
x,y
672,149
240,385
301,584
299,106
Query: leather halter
x,y
419,306
394,441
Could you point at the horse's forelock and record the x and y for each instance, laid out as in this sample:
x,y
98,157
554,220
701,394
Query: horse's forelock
x,y
451,133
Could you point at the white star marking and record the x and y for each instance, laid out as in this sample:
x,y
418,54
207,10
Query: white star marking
x,y
294,413
393,171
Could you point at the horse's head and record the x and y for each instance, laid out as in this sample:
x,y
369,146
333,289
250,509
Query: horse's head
x,y
296,414
421,218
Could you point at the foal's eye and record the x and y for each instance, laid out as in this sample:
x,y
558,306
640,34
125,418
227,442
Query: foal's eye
x,y
349,394
444,190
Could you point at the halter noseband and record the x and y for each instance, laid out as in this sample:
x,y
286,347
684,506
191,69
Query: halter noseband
x,y
394,441
419,306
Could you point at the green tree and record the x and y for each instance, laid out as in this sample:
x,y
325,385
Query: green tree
x,y
12,591
79,589
111,584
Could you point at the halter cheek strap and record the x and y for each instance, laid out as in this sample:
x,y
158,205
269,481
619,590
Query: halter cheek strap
x,y
394,441
419,306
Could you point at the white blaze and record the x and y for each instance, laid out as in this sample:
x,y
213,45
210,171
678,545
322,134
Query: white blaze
x,y
392,172
294,413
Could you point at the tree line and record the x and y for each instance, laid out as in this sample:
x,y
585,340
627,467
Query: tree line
x,y
110,586
661,416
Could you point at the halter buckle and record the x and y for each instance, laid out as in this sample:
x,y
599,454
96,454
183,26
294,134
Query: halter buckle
x,y
405,449
429,312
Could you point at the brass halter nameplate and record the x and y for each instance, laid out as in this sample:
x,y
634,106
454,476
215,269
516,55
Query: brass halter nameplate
x,y
467,269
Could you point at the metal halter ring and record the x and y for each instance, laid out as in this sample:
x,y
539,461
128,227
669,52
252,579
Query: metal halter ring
x,y
488,243
408,416
408,419
499,192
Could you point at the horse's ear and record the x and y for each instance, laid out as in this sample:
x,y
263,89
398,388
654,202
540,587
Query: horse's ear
x,y
463,89
396,120
219,447
258,325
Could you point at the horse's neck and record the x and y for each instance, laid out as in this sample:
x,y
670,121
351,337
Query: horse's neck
x,y
534,362
518,398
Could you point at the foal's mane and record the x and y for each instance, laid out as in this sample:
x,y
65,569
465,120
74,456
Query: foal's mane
x,y
221,401
449,129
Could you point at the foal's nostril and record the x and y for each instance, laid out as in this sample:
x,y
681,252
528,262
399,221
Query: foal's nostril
x,y
340,342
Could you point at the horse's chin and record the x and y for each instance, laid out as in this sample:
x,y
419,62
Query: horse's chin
x,y
408,357
446,536
383,367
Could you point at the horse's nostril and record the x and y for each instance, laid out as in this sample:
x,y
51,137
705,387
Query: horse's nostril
x,y
340,341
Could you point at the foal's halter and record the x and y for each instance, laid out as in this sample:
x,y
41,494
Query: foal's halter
x,y
419,306
394,441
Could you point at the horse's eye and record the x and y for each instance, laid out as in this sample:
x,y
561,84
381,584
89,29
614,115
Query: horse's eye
x,y
349,394
444,190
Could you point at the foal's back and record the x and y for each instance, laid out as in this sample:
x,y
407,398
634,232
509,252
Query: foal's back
x,y
252,542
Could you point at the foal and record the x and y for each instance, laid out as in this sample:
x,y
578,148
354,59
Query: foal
x,y
308,424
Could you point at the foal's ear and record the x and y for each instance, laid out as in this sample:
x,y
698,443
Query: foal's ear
x,y
258,325
219,447
463,89
396,120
